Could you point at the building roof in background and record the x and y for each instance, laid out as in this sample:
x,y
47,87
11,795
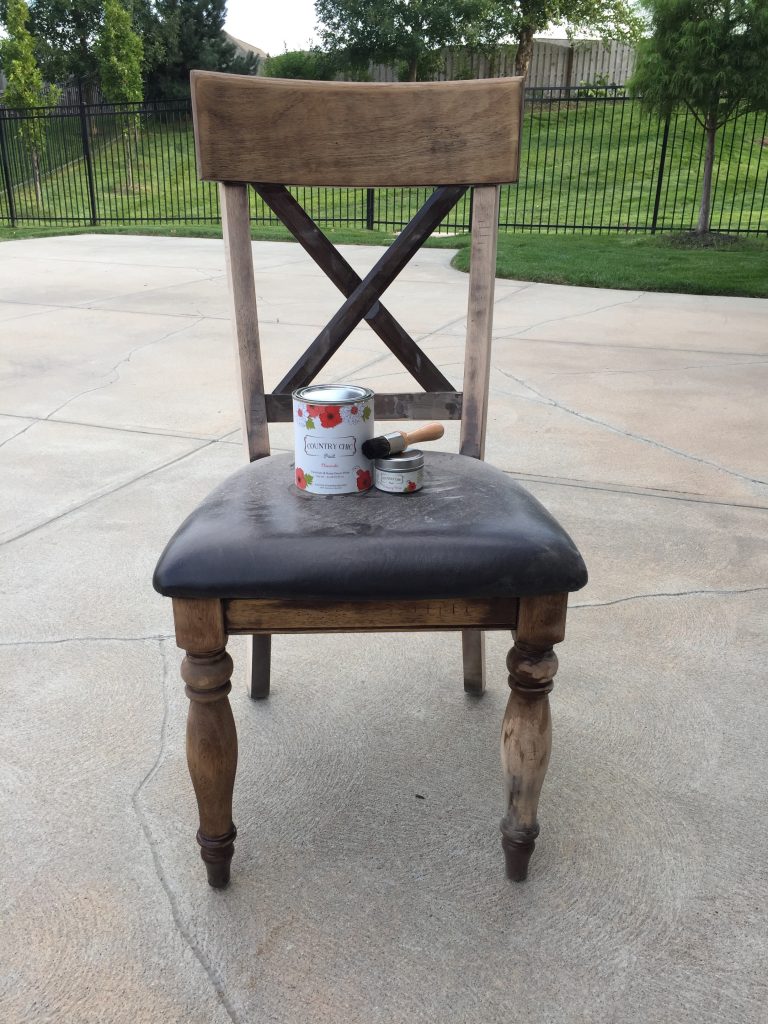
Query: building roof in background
x,y
244,49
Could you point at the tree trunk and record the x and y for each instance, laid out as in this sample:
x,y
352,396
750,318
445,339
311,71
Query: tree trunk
x,y
524,50
706,186
413,69
128,161
36,175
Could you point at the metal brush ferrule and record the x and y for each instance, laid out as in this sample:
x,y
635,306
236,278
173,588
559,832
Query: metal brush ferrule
x,y
397,443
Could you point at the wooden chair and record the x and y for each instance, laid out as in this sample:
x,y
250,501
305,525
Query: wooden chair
x,y
258,556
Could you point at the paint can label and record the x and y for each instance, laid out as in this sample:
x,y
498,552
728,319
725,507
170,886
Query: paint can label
x,y
331,423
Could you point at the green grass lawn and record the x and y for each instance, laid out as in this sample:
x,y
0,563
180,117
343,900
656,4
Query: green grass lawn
x,y
582,163
636,262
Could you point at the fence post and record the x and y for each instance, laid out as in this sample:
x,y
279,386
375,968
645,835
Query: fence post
x,y
7,170
662,161
87,154
369,208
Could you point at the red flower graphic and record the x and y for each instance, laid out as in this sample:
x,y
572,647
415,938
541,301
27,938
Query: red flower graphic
x,y
301,480
411,485
314,410
353,410
299,412
330,416
363,479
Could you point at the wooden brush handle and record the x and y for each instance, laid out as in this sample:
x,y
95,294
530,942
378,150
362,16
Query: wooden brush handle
x,y
430,432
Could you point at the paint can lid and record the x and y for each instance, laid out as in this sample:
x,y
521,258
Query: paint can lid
x,y
333,394
403,462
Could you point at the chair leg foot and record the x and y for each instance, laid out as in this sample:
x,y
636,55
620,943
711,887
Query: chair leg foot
x,y
217,853
212,757
517,856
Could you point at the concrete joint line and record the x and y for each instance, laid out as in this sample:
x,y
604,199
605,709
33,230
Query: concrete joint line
x,y
667,369
106,494
632,492
90,303
546,400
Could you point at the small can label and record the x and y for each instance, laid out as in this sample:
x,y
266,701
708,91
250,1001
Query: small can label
x,y
398,483
331,424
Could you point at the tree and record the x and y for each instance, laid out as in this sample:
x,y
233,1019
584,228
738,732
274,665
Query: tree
x,y
25,89
521,20
312,64
409,32
119,52
191,33
65,31
708,56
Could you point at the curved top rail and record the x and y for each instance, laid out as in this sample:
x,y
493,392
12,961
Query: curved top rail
x,y
294,132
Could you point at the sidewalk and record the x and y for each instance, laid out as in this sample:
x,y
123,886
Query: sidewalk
x,y
639,419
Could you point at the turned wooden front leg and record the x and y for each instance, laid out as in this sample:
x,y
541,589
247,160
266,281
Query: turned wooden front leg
x,y
526,733
211,736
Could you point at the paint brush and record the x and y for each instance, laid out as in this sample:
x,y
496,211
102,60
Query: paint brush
x,y
390,444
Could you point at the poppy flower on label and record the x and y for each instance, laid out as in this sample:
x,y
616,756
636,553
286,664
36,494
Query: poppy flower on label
x,y
330,416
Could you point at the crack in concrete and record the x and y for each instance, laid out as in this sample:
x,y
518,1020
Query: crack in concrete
x,y
122,362
18,432
24,316
546,400
566,316
671,593
185,933
87,640
114,370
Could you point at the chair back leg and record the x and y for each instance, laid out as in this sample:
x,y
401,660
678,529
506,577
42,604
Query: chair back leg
x,y
259,665
473,655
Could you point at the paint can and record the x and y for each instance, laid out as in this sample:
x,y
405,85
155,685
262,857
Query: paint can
x,y
331,423
402,473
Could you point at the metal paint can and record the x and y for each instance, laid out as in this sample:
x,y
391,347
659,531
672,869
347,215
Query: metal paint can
x,y
331,423
400,474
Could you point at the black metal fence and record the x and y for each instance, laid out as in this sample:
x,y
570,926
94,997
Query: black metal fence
x,y
592,160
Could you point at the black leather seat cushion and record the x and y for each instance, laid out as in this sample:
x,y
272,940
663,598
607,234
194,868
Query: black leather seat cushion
x,y
471,532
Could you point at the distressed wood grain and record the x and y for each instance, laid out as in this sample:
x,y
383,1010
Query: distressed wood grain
x,y
356,133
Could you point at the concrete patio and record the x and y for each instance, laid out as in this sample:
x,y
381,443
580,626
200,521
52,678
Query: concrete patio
x,y
639,419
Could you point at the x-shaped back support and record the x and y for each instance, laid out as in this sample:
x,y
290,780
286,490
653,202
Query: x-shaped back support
x,y
363,295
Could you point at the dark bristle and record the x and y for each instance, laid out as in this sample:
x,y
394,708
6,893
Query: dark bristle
x,y
376,448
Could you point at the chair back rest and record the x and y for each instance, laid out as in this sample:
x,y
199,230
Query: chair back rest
x,y
356,133
270,133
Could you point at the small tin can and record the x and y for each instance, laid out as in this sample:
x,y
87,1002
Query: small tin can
x,y
400,474
331,423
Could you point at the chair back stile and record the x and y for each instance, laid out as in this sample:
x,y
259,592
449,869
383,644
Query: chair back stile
x,y
236,226
273,133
